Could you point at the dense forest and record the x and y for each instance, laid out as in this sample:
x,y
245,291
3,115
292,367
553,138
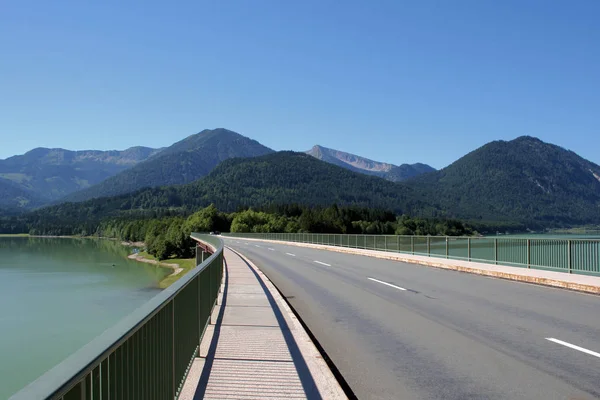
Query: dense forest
x,y
523,180
268,181
167,233
170,235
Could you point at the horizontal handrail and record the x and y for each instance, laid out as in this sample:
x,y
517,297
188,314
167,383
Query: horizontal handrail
x,y
148,352
578,255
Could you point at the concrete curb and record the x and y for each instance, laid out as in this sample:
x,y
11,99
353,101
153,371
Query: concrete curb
x,y
552,279
328,386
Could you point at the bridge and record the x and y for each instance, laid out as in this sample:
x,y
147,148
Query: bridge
x,y
376,317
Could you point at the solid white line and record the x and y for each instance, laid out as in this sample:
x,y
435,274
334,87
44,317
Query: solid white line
x,y
322,263
290,254
572,346
385,283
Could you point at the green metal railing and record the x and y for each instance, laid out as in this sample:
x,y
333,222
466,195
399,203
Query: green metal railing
x,y
147,355
578,256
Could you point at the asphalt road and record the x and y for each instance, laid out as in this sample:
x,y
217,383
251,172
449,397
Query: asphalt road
x,y
402,331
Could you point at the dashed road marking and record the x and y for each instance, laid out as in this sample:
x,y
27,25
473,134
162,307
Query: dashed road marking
x,y
386,283
322,263
574,347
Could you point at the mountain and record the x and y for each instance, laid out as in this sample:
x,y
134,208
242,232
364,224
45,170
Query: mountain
x,y
43,175
274,179
523,179
289,177
183,162
395,173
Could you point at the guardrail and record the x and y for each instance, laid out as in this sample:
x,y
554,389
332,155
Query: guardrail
x,y
147,355
579,256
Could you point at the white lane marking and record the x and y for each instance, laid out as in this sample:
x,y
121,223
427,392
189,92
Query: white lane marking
x,y
322,263
290,254
385,283
245,243
572,346
257,245
271,249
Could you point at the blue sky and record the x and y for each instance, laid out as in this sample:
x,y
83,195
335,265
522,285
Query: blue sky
x,y
396,81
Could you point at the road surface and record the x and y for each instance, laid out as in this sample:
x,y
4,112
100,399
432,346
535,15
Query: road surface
x,y
402,331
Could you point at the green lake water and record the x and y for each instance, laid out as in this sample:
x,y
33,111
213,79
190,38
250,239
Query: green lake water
x,y
57,294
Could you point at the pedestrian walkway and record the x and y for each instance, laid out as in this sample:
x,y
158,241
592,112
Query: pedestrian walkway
x,y
255,348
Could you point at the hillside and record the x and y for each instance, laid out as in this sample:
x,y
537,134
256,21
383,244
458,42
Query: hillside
x,y
14,198
183,162
289,177
274,179
44,175
394,173
524,180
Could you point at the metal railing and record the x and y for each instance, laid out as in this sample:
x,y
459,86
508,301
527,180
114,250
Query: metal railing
x,y
147,355
578,256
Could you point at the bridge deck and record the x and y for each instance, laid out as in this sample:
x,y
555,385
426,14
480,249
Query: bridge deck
x,y
255,348
578,282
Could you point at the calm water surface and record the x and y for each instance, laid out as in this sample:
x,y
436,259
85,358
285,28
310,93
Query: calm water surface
x,y
58,294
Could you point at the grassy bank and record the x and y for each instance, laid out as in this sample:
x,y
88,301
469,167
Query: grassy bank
x,y
180,266
14,235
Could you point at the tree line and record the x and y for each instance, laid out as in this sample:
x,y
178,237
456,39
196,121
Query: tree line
x,y
167,233
170,236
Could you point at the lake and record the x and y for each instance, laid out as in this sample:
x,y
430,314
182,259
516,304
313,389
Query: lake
x,y
57,294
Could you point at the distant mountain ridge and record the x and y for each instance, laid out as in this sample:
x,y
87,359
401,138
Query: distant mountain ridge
x,y
395,173
183,162
42,175
272,179
525,181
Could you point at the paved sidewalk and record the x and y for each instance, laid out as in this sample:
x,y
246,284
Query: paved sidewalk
x,y
583,283
255,348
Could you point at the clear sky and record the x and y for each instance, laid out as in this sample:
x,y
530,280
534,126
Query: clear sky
x,y
396,81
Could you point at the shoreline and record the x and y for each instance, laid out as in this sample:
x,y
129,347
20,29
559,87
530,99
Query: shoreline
x,y
176,268
133,244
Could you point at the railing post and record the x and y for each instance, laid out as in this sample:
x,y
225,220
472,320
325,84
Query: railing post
x,y
428,246
398,239
569,255
385,245
496,251
173,389
412,244
528,253
447,244
468,249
